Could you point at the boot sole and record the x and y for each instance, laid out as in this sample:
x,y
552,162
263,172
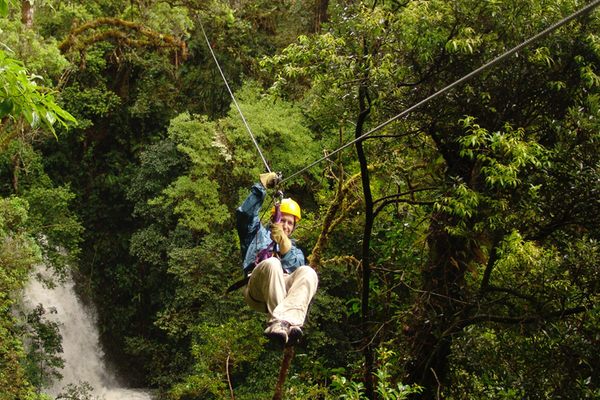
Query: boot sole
x,y
277,338
294,336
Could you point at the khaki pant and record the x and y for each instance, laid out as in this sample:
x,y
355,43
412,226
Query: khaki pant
x,y
283,296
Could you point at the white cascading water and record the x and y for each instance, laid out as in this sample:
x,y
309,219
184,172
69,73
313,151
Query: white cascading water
x,y
82,353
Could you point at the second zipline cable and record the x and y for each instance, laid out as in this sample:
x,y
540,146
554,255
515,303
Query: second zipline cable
x,y
489,64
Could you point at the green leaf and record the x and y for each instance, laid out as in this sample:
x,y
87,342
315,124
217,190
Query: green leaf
x,y
3,8
50,117
6,107
35,119
29,117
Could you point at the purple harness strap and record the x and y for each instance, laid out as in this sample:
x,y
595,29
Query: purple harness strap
x,y
268,251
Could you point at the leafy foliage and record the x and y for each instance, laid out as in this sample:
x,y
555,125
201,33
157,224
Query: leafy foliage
x,y
482,173
352,390
482,243
218,351
18,253
44,346
28,203
21,97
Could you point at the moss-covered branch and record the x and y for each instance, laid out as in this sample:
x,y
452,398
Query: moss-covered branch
x,y
119,31
334,215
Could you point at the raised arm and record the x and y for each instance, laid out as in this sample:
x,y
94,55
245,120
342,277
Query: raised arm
x,y
247,221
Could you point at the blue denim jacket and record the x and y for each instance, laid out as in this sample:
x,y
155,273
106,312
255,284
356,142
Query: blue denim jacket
x,y
255,237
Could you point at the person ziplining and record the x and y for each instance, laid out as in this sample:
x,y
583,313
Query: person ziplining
x,y
277,280
279,283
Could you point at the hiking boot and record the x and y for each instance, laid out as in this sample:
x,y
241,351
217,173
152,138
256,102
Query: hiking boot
x,y
278,331
294,334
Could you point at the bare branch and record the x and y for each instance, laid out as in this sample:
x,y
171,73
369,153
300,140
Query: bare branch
x,y
393,196
396,198
229,376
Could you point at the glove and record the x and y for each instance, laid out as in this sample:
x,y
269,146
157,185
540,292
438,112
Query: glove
x,y
279,236
269,179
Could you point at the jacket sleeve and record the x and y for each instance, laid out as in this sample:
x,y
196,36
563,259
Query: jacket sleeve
x,y
247,221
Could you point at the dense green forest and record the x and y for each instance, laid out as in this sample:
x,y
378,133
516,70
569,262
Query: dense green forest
x,y
457,247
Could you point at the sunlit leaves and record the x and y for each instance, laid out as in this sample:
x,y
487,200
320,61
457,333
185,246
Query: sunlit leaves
x,y
4,5
195,197
387,389
310,57
466,41
462,201
503,155
515,253
219,350
20,96
423,28
542,56
279,128
590,76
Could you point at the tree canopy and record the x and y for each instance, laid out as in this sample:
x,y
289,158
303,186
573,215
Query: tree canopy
x,y
457,246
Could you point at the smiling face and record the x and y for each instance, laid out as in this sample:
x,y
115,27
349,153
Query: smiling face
x,y
288,221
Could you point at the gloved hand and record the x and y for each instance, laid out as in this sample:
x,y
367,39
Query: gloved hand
x,y
269,179
279,236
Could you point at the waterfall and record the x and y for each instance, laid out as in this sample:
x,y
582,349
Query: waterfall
x,y
82,353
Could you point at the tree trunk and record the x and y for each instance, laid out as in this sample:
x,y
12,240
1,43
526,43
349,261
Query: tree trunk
x,y
27,13
16,164
320,13
439,310
366,242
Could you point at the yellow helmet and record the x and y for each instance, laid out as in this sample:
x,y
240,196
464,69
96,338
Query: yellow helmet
x,y
289,206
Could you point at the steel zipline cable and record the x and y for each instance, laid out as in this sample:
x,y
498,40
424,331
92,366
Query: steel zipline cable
x,y
489,64
233,97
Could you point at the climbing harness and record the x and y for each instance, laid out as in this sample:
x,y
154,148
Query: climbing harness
x,y
465,78
272,248
263,254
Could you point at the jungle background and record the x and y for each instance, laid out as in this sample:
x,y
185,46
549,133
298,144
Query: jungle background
x,y
457,247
